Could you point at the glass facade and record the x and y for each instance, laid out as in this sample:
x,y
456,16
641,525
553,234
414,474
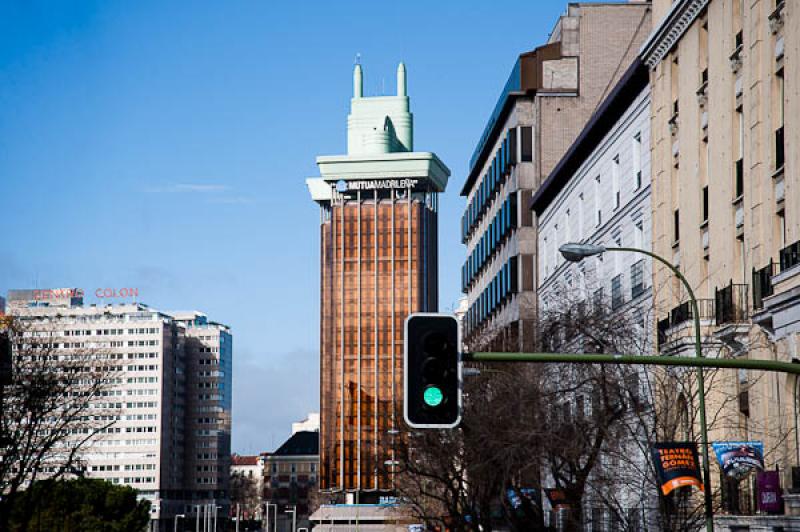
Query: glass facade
x,y
378,264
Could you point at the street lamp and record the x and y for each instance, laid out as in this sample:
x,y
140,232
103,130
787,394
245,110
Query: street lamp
x,y
293,511
216,511
275,522
175,528
575,252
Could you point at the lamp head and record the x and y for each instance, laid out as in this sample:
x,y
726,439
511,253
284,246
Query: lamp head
x,y
574,252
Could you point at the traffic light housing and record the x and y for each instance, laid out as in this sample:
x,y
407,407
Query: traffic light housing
x,y
432,371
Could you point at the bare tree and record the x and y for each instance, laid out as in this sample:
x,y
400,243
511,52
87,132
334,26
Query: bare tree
x,y
585,430
458,478
59,400
244,493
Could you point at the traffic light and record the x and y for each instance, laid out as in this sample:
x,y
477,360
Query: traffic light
x,y
432,371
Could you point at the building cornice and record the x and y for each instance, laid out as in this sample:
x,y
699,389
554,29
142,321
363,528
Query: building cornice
x,y
670,30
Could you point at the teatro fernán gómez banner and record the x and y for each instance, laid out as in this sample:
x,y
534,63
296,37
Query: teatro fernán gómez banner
x,y
677,465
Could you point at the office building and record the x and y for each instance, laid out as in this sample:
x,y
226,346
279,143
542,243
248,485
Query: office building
x,y
726,197
378,260
550,94
170,439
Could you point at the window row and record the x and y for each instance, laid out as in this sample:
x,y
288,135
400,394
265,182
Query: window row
x,y
494,296
496,234
500,168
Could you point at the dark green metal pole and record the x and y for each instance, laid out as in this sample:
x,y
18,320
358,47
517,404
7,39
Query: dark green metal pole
x,y
698,362
700,381
653,360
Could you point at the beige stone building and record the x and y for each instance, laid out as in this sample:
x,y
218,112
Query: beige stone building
x,y
550,94
726,206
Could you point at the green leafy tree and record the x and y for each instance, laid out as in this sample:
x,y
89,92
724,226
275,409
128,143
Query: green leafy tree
x,y
81,505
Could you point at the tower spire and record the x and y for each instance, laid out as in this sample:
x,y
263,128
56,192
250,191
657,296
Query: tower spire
x,y
402,88
358,79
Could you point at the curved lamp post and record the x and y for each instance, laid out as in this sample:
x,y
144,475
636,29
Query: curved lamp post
x,y
575,252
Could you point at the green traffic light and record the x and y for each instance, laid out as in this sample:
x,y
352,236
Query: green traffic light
x,y
433,396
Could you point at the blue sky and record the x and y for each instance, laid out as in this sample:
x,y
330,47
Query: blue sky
x,y
164,146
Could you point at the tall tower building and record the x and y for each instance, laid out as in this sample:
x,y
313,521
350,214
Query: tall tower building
x,y
378,261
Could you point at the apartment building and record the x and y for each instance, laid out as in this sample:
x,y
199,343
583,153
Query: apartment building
x,y
158,434
208,351
599,193
726,204
550,94
290,478
247,486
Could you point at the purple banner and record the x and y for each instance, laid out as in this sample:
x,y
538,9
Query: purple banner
x,y
768,487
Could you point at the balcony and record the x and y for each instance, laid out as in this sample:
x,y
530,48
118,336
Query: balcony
x,y
762,283
790,256
731,304
682,314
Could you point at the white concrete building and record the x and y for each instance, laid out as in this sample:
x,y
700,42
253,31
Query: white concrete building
x,y
309,424
159,442
599,193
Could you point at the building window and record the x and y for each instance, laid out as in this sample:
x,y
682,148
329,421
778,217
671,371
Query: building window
x,y
616,292
545,253
705,204
782,228
597,300
615,181
637,160
599,216
637,278
638,235
526,139
779,140
739,169
676,226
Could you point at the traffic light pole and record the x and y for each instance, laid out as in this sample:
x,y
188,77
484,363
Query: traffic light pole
x,y
698,362
730,363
